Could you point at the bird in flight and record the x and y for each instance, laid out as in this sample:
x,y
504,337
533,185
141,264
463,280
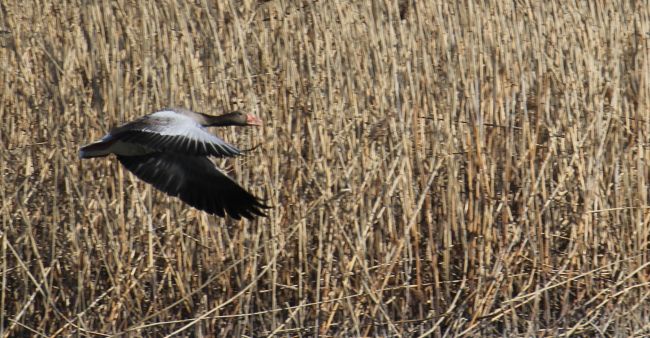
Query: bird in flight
x,y
170,149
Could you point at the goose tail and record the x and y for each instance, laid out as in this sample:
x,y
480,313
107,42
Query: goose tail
x,y
97,149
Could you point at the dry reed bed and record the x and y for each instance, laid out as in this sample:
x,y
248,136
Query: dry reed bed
x,y
435,169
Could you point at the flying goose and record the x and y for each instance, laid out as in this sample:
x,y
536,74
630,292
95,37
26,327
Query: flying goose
x,y
170,148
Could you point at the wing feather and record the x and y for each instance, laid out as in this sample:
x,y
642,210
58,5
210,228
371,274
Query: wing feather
x,y
196,181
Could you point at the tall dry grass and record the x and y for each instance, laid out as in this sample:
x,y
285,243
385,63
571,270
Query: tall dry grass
x,y
436,169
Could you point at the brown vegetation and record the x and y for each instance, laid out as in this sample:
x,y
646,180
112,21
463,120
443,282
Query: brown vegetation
x,y
443,169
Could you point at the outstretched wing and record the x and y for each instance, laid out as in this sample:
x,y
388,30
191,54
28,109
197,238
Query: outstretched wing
x,y
196,181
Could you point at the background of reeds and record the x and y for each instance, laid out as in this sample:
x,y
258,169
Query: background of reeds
x,y
474,169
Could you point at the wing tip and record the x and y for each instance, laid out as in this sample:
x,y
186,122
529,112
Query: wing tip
x,y
253,209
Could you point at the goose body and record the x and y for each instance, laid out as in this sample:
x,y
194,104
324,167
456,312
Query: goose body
x,y
170,149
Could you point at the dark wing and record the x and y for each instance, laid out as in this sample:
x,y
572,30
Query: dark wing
x,y
196,181
167,131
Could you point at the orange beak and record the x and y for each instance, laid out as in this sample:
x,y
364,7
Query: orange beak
x,y
253,120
